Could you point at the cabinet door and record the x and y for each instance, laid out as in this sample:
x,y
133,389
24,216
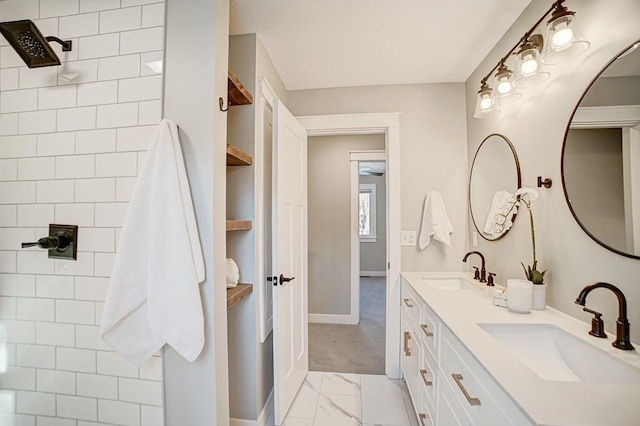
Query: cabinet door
x,y
410,361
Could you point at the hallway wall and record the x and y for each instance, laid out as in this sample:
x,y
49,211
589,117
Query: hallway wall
x,y
70,153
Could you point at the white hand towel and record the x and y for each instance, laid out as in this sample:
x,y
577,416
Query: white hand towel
x,y
153,296
497,202
233,273
434,221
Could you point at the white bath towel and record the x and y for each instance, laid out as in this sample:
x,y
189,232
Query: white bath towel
x,y
490,225
434,221
153,296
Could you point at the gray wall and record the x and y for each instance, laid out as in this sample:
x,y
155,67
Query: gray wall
x,y
197,393
329,220
373,256
432,154
613,91
593,178
536,126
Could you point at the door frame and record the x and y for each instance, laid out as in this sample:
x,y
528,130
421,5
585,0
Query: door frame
x,y
389,125
355,157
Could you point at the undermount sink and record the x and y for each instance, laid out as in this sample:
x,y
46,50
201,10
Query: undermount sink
x,y
556,355
449,283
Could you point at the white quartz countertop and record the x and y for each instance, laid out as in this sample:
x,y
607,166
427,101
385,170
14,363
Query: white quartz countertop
x,y
545,402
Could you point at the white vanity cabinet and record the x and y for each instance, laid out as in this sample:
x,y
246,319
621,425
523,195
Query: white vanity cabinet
x,y
450,387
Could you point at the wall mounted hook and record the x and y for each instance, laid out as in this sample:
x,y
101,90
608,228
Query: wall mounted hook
x,y
547,182
221,102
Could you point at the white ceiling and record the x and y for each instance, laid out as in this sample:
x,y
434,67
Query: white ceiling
x,y
340,43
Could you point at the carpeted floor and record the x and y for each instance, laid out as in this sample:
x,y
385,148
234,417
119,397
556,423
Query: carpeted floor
x,y
358,348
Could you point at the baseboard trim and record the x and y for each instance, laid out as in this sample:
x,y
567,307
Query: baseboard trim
x,y
262,418
333,319
373,274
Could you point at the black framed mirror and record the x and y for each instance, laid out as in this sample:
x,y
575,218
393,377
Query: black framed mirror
x,y
494,177
601,156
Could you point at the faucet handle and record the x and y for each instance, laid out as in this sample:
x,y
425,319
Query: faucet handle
x,y
490,279
597,325
476,273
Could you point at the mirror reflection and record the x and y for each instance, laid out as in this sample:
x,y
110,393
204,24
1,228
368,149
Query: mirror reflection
x,y
495,177
601,156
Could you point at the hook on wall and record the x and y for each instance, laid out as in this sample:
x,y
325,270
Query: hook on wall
x,y
221,102
547,182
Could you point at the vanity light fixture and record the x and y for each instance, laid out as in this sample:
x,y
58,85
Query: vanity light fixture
x,y
562,41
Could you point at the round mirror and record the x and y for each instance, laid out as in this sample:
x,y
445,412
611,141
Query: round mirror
x,y
495,176
601,156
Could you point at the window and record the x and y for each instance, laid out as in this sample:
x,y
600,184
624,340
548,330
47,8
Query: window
x,y
367,212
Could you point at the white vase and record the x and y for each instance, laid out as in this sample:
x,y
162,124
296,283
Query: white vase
x,y
539,302
519,295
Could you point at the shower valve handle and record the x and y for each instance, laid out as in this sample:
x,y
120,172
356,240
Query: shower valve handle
x,y
60,241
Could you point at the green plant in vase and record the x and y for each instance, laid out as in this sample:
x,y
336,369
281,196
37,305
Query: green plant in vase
x,y
526,196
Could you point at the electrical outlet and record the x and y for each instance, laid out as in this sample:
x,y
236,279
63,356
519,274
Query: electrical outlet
x,y
409,238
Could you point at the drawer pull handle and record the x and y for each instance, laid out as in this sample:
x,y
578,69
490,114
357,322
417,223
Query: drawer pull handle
x,y
407,302
423,373
425,328
423,417
407,349
458,379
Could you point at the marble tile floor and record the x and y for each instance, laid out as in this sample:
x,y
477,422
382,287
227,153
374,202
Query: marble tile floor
x,y
339,399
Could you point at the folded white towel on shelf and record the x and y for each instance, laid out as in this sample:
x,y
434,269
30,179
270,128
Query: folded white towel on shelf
x,y
233,273
153,296
497,203
435,221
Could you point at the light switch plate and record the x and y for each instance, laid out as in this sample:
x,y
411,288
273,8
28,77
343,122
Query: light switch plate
x,y
408,238
475,238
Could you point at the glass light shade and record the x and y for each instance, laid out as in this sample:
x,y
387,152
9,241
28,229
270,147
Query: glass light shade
x,y
564,40
506,92
486,105
529,71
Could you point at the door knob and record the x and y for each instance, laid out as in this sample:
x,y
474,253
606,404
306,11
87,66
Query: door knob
x,y
284,279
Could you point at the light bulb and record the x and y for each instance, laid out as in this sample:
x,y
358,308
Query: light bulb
x,y
562,37
485,103
529,66
505,86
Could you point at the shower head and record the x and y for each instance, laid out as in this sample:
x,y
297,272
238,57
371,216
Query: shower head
x,y
30,44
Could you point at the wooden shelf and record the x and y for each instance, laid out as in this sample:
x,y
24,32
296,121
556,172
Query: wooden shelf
x,y
238,225
236,294
236,157
237,94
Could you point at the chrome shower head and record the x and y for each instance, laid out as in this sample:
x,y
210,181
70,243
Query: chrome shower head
x,y
30,44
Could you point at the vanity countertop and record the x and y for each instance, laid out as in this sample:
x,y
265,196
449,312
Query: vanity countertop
x,y
545,402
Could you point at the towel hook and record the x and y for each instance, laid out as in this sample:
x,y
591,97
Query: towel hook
x,y
221,102
546,183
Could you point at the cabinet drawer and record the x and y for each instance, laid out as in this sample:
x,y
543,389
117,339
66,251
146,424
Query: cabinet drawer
x,y
430,330
429,380
412,304
473,388
450,412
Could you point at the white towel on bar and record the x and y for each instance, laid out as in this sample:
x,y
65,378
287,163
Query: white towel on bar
x,y
435,221
153,296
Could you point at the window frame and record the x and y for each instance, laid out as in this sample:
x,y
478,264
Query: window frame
x,y
370,188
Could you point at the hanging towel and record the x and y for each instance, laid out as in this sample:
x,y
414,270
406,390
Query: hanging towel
x,y
153,296
490,225
434,221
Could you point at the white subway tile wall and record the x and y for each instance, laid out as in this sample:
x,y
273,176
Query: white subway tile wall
x,y
72,142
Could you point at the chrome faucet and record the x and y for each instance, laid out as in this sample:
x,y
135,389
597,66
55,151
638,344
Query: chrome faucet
x,y
483,271
622,324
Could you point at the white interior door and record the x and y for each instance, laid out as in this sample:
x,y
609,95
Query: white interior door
x,y
290,305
